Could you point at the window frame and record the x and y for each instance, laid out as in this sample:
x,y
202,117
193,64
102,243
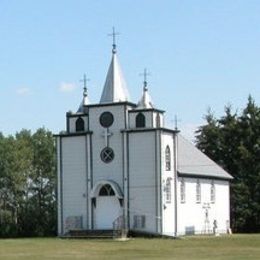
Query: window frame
x,y
198,191
158,120
212,192
140,120
107,155
182,191
106,119
80,124
139,221
167,158
168,190
106,190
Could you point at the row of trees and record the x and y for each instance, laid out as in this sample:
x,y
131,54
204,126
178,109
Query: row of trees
x,y
233,141
27,184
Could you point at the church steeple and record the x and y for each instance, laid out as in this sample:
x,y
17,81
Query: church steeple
x,y
115,88
145,101
85,100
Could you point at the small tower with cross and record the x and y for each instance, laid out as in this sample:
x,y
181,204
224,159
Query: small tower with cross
x,y
145,114
85,100
145,101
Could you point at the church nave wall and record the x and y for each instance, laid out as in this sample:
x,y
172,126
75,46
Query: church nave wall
x,y
168,183
73,178
143,186
197,216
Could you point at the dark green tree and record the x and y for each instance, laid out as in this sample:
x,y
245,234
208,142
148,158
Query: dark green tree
x,y
44,181
27,184
233,141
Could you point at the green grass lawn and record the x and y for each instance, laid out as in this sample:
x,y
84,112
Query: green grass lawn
x,y
225,247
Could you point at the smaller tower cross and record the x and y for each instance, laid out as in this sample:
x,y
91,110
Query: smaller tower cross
x,y
176,122
85,80
145,74
114,34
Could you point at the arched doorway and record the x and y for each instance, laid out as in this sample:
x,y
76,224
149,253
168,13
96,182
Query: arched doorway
x,y
108,204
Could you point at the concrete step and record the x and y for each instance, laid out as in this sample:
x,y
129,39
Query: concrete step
x,y
98,233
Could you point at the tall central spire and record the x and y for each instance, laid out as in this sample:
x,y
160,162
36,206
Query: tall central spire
x,y
115,88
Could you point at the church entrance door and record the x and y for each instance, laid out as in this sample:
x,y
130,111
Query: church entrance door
x,y
108,208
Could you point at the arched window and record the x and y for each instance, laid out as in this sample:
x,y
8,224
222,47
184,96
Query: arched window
x,y
182,189
106,190
198,192
212,192
80,125
167,158
158,120
140,120
168,190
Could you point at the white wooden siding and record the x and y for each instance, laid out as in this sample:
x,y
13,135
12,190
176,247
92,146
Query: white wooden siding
x,y
142,179
59,186
74,178
218,211
168,210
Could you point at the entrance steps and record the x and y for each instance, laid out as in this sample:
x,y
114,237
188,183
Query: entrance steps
x,y
98,233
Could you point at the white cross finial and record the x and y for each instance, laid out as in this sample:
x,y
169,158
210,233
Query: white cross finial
x,y
114,34
175,122
85,80
145,74
106,135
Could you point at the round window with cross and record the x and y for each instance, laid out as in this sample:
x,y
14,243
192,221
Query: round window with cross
x,y
107,155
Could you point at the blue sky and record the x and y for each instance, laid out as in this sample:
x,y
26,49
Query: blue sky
x,y
200,54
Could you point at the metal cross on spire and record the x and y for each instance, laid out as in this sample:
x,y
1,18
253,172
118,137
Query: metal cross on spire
x,y
114,34
175,122
145,74
85,80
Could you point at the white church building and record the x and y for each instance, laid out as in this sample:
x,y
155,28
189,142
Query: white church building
x,y
117,160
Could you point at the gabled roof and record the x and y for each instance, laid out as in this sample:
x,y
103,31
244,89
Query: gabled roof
x,y
115,89
192,162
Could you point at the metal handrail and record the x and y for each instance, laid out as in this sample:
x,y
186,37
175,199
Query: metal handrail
x,y
120,227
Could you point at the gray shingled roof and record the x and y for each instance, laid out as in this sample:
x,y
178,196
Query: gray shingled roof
x,y
192,162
